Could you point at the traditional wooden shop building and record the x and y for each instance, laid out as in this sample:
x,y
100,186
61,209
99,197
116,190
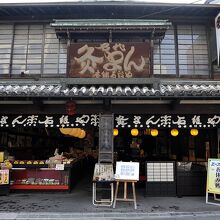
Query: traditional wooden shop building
x,y
151,67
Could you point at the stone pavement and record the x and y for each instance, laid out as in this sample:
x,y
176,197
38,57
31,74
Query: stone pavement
x,y
111,216
78,205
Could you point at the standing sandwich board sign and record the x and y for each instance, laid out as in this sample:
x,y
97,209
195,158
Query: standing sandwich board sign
x,y
213,180
126,172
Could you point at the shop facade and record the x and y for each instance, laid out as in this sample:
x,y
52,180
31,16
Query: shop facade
x,y
149,67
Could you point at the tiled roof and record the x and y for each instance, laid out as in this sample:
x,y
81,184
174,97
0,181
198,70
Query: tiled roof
x,y
164,90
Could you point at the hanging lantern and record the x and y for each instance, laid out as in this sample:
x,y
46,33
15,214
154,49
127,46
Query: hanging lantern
x,y
82,134
65,130
174,132
134,132
115,132
154,132
78,132
73,132
194,132
70,108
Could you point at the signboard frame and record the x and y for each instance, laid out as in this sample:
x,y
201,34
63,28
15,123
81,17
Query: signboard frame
x,y
127,168
109,60
212,173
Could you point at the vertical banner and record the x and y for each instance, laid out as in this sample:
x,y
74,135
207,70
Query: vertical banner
x,y
106,142
217,29
213,176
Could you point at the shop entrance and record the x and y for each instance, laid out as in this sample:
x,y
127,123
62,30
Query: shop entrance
x,y
169,165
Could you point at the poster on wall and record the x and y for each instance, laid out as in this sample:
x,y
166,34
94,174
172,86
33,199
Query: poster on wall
x,y
127,171
109,60
213,176
4,177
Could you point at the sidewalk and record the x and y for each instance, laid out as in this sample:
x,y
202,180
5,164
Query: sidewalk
x,y
109,216
78,204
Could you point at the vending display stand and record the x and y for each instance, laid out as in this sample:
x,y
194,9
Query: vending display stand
x,y
103,181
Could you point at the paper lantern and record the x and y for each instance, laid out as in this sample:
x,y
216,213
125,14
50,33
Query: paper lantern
x,y
154,132
174,132
73,132
82,134
65,130
70,108
78,132
115,131
134,132
194,132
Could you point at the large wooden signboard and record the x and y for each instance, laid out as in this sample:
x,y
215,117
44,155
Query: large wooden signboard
x,y
127,171
213,180
109,60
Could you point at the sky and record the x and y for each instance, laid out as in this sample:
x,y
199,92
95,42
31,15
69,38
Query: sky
x,y
162,1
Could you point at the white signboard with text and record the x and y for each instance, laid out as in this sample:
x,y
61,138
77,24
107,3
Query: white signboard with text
x,y
127,171
59,167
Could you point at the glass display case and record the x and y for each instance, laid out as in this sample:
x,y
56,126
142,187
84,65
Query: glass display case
x,y
40,178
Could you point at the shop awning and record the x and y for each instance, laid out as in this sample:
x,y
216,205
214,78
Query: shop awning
x,y
66,28
164,90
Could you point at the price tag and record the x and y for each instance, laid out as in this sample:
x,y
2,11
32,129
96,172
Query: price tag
x,y
59,167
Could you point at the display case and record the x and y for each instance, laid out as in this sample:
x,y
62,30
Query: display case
x,y
40,177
